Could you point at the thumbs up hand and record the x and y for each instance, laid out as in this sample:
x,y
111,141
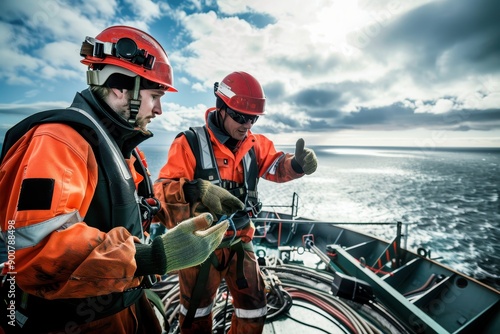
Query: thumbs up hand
x,y
305,157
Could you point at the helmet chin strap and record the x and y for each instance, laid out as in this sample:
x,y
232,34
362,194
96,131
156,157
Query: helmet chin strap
x,y
134,102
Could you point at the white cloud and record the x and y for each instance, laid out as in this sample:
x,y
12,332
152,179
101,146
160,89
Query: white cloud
x,y
322,60
233,7
178,118
183,80
145,9
197,87
99,8
301,47
442,106
62,53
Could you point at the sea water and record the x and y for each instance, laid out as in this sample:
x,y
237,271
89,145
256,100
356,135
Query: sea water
x,y
448,197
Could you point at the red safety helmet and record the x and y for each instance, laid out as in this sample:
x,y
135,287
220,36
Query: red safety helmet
x,y
131,52
242,92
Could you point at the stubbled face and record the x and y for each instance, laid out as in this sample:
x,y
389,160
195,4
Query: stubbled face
x,y
234,129
149,108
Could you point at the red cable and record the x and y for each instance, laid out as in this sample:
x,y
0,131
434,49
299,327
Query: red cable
x,y
324,306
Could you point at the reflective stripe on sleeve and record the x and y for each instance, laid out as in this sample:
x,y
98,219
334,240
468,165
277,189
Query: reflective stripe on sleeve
x,y
274,166
31,235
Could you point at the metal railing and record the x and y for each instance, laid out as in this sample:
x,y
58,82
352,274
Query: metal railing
x,y
294,213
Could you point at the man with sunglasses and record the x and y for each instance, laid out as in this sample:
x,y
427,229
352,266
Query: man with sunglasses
x,y
205,166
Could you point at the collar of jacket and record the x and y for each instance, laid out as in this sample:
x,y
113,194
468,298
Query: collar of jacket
x,y
220,134
127,137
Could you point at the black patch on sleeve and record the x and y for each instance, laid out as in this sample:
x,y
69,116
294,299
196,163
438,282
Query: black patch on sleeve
x,y
36,194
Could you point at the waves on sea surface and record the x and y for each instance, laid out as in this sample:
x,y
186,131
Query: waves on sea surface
x,y
449,197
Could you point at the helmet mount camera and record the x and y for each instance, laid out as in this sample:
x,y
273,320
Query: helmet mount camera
x,y
126,48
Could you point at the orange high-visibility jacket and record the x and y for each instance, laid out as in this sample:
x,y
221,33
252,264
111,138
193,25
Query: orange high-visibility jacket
x,y
180,167
47,181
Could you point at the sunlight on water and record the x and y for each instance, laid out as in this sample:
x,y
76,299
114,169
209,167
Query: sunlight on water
x,y
370,152
388,171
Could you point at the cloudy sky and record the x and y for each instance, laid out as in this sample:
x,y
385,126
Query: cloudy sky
x,y
422,73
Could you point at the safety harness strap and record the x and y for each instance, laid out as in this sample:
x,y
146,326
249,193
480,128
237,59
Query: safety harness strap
x,y
149,205
241,280
199,142
198,291
207,169
239,249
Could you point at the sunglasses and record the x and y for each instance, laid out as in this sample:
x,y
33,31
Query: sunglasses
x,y
241,118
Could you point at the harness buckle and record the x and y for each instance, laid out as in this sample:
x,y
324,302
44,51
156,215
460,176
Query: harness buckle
x,y
254,209
149,207
148,281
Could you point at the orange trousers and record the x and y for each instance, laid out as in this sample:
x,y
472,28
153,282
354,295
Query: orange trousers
x,y
251,298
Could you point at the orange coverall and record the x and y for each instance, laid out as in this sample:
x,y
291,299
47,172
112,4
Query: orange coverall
x,y
74,261
274,166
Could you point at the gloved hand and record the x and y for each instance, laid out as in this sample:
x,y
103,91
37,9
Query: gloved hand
x,y
191,242
186,245
305,157
216,199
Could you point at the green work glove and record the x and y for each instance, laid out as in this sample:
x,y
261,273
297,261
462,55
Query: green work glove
x,y
305,157
216,199
191,242
186,245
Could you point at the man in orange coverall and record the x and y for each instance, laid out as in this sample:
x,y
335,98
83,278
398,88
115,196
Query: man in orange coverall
x,y
225,152
77,200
